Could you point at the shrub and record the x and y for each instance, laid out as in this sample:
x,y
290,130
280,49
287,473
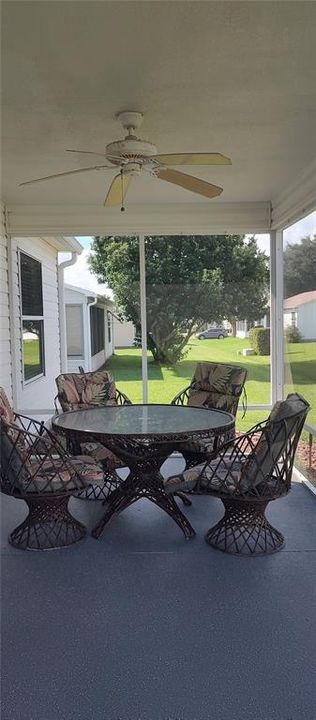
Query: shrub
x,y
292,334
260,340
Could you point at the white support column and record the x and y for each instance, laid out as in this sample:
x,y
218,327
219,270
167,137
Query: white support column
x,y
143,314
277,331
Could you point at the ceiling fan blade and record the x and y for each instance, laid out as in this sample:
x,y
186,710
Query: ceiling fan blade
x,y
189,182
193,159
119,158
87,152
117,190
70,172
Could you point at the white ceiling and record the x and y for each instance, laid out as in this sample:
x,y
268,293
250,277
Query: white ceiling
x,y
231,77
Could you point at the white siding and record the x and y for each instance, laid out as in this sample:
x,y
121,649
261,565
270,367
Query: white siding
x,y
124,334
109,346
287,319
73,297
88,362
306,320
97,360
5,344
38,393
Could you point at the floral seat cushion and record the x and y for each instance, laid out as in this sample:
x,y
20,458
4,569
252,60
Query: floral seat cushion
x,y
218,476
51,476
101,454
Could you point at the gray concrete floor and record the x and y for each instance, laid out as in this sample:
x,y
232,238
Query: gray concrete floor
x,y
143,625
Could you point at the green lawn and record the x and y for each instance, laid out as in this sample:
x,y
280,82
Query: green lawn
x,y
32,360
166,382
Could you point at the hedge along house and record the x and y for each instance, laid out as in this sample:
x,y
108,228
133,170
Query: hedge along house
x,y
89,329
32,340
300,312
235,78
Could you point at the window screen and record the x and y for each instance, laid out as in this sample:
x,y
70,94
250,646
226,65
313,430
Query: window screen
x,y
74,324
31,286
97,329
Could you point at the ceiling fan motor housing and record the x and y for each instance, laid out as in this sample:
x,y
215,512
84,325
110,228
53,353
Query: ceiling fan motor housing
x,y
131,148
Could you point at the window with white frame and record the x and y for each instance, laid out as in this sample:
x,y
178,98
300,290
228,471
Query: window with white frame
x,y
32,317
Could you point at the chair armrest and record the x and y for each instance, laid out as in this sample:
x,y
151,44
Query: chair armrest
x,y
57,408
29,424
121,398
182,397
241,445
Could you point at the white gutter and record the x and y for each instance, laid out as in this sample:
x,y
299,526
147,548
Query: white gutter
x,y
89,358
62,310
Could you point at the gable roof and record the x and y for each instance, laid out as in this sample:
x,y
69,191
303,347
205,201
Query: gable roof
x,y
299,299
90,293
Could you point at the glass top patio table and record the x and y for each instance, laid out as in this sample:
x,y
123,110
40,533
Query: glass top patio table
x,y
145,420
143,436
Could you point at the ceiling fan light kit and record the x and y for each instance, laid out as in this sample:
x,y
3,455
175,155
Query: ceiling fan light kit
x,y
134,156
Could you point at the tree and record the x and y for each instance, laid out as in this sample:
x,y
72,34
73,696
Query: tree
x,y
300,267
246,283
190,281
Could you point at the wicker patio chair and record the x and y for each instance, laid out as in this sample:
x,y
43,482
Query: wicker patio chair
x,y
247,474
79,391
214,385
35,468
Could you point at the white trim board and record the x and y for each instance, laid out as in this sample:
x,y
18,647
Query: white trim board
x,y
204,218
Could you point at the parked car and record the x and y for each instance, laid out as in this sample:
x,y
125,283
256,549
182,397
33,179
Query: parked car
x,y
212,332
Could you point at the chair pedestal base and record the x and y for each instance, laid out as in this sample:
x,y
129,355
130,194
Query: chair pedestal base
x,y
244,530
49,525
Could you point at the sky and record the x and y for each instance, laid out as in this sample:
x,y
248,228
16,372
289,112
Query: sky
x,y
80,275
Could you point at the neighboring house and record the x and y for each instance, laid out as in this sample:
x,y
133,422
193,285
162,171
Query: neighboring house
x,y
124,333
300,312
243,326
89,329
32,339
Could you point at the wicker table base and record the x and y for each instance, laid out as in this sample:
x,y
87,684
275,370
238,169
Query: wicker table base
x,y
144,481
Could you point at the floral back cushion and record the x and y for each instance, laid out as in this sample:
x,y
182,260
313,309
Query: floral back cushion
x,y
275,440
81,390
217,385
7,415
6,410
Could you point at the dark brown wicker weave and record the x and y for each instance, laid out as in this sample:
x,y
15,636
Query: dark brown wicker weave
x,y
247,474
36,468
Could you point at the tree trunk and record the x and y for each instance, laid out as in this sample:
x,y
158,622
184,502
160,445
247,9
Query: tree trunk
x,y
233,323
158,352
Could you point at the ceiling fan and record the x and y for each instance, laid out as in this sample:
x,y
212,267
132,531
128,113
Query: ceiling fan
x,y
135,156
